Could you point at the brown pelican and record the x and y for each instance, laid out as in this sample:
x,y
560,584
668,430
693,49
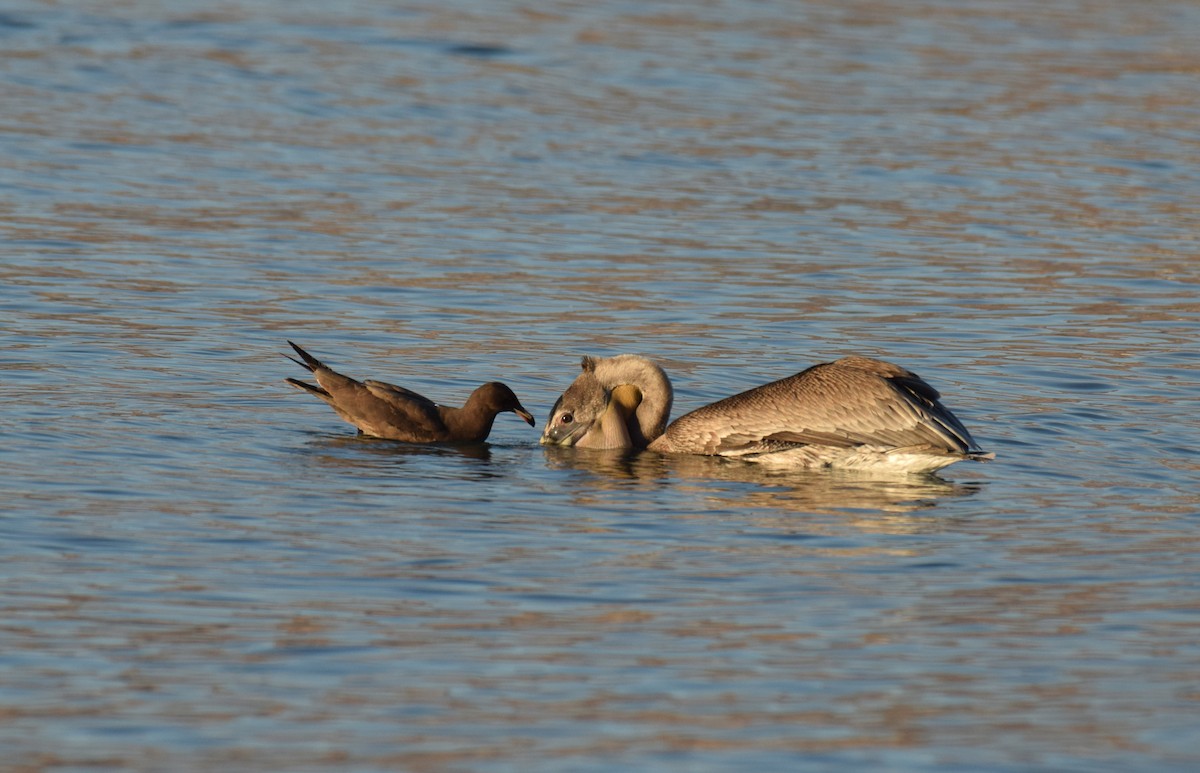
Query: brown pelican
x,y
854,413
392,412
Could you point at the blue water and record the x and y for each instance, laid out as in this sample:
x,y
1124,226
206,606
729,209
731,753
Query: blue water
x,y
202,568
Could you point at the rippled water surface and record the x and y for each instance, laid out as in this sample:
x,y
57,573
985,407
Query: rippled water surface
x,y
203,569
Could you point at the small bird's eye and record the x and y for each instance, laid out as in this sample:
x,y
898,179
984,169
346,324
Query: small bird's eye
x,y
566,418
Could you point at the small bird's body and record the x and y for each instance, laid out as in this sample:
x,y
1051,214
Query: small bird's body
x,y
392,412
854,413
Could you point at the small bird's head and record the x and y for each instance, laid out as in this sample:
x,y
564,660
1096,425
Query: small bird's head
x,y
500,398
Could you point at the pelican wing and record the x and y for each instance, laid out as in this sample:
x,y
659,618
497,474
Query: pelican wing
x,y
853,401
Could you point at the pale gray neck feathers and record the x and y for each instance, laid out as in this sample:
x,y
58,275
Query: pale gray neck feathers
x,y
655,409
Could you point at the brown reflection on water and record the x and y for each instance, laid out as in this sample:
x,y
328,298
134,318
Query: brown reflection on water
x,y
798,492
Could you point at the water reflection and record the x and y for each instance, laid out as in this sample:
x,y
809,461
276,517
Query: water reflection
x,y
751,486
360,451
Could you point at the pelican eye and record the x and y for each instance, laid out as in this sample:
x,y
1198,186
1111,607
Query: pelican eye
x,y
566,418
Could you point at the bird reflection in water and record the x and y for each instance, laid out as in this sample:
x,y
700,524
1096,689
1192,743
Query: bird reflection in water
x,y
732,484
387,457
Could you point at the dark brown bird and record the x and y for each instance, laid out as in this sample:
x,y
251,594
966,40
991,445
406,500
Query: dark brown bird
x,y
392,412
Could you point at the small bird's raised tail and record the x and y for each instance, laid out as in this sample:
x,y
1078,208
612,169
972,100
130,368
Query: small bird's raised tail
x,y
310,364
316,390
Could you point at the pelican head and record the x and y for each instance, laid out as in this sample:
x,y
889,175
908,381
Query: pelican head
x,y
616,402
578,411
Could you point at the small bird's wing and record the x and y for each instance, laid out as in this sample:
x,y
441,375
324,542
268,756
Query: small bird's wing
x,y
386,410
401,396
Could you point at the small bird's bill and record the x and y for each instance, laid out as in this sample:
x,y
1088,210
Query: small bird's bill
x,y
526,415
